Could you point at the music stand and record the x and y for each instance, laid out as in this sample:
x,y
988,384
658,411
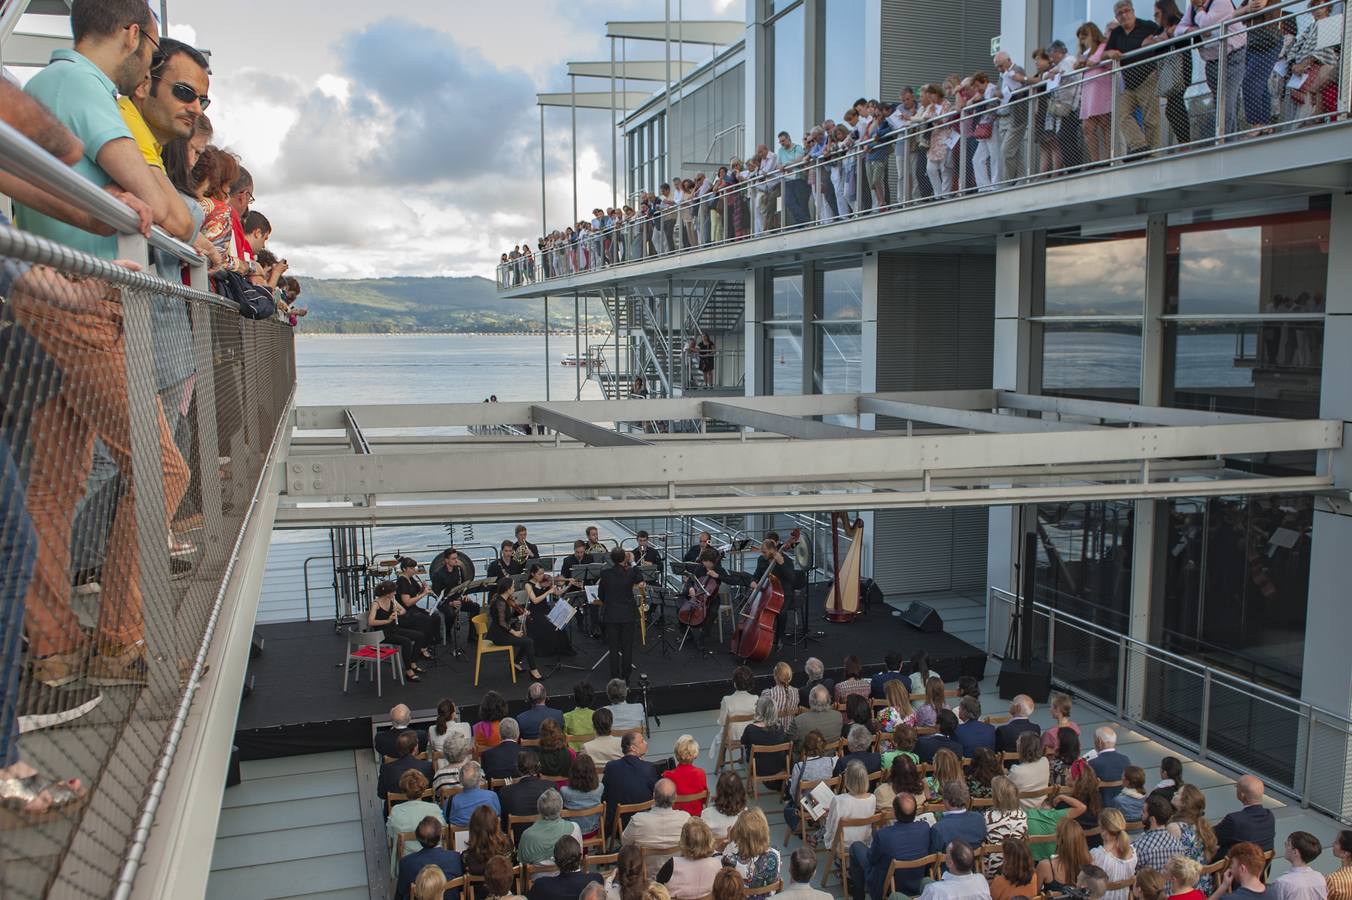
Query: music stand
x,y
699,586
588,573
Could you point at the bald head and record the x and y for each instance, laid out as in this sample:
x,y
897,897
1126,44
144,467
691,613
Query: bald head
x,y
400,716
1249,790
1105,738
664,793
1021,707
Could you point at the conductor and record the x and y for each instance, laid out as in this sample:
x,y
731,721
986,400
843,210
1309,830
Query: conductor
x,y
619,611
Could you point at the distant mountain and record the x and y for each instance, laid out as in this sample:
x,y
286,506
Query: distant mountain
x,y
422,304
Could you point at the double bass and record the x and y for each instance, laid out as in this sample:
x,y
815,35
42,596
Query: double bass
x,y
754,636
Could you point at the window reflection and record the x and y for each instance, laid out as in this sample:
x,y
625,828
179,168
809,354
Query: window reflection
x,y
840,293
1096,361
1256,368
786,296
844,75
1084,559
785,360
1092,276
786,39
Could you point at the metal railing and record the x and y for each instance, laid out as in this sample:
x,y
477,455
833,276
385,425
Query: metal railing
x,y
1300,749
1107,113
138,417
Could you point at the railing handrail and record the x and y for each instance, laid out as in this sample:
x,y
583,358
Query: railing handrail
x,y
25,159
1196,668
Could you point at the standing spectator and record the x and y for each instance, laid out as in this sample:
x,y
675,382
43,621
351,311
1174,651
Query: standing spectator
x,y
706,350
1203,16
1139,79
1011,117
1176,73
1096,92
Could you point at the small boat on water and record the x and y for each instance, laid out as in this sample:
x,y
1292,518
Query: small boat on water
x,y
587,359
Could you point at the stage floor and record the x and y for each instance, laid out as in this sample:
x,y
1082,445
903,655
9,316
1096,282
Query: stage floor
x,y
298,705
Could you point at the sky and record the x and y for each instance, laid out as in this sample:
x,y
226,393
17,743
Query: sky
x,y
403,139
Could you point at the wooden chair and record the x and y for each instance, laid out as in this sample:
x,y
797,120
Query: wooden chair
x,y
557,780
982,803
661,853
754,778
727,747
598,840
446,792
530,870
1215,868
926,729
530,742
840,851
1008,757
702,796
514,821
593,861
1041,839
804,788
1110,785
484,646
770,889
1050,790
392,798
399,841
455,884
1138,825
627,809
577,740
367,648
417,754
470,882
497,784
931,862
996,720
450,837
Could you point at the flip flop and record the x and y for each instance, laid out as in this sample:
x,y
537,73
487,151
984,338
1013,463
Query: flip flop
x,y
17,793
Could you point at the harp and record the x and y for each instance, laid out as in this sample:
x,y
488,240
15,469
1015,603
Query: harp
x,y
843,604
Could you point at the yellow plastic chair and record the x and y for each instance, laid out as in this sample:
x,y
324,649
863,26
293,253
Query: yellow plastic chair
x,y
485,646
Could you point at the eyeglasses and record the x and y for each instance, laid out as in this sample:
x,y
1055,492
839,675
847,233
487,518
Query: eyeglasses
x,y
186,93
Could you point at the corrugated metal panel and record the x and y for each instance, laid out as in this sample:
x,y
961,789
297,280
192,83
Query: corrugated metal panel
x,y
969,548
917,551
924,42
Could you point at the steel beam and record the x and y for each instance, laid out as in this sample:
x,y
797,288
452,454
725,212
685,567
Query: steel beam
x,y
789,426
593,100
971,420
631,70
714,32
355,439
586,432
1122,412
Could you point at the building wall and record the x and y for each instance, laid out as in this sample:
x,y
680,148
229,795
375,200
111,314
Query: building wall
x,y
924,42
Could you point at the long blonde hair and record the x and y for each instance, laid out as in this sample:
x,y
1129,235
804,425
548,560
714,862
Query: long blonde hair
x,y
946,768
898,697
751,832
1113,826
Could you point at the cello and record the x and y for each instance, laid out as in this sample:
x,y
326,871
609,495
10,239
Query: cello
x,y
754,636
695,608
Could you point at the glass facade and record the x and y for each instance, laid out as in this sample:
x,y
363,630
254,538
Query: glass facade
x,y
786,296
844,76
785,359
787,86
1092,360
1095,276
644,148
1068,15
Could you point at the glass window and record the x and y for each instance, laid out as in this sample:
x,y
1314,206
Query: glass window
x,y
1092,276
1084,559
786,296
787,88
1269,265
839,368
1254,368
840,294
1069,15
1092,360
784,344
844,75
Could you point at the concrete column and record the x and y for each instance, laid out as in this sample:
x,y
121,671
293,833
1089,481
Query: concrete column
x,y
810,342
873,49
759,72
754,376
1021,26
814,62
1327,670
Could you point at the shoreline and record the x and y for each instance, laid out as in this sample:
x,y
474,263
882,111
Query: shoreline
x,y
363,334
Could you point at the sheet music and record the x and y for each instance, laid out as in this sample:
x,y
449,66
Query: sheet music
x,y
561,615
593,593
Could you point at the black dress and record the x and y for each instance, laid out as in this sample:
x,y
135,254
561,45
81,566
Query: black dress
x,y
499,632
549,641
408,640
414,617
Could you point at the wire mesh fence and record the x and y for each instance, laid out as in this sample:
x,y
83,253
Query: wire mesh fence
x,y
1272,71
135,419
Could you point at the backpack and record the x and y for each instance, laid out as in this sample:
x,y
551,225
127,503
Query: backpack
x,y
254,301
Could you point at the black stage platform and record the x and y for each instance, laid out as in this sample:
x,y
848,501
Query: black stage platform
x,y
298,705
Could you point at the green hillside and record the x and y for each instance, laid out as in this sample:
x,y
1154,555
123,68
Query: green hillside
x,y
423,304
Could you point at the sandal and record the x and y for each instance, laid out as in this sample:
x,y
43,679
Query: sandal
x,y
17,793
411,675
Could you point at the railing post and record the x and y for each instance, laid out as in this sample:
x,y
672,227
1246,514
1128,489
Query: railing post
x,y
1345,68
1114,109
1051,639
962,160
1121,676
1305,766
904,182
1219,100
1204,721
1030,163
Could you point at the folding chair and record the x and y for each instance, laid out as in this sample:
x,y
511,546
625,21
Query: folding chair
x,y
758,750
932,862
370,650
598,839
726,748
805,787
627,809
840,851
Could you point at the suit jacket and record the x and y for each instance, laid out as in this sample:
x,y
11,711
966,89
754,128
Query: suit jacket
x,y
385,740
975,734
827,721
1252,823
519,799
391,772
500,761
655,828
616,591
566,886
872,761
878,683
1108,766
969,826
1007,735
930,744
902,841
629,779
411,865
531,720
807,689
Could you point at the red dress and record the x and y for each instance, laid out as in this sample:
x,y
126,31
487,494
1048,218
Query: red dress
x,y
690,779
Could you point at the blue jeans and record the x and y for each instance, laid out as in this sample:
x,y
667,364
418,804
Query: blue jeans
x,y
1257,98
18,549
858,869
1234,80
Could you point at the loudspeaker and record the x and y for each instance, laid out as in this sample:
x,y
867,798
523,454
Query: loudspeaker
x,y
869,594
256,646
1035,680
919,615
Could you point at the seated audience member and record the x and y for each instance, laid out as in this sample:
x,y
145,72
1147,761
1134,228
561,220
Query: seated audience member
x,y
473,794
631,778
1072,855
486,841
904,839
1148,885
1243,878
816,765
583,791
853,802
555,757
690,873
1300,882
1016,876
605,747
1189,824
1107,761
1115,856
783,694
537,712
968,686
853,682
499,880
1084,787
902,778
390,773
1092,882
750,854
1156,845
688,777
629,878
920,672
521,797
1171,777
455,752
1031,772
657,827
898,712
1131,800
430,884
945,768
492,710
1006,818
820,717
626,716
958,823
1064,763
858,711
903,744
1060,709
500,761
944,739
1044,820
578,720
447,723
430,853
960,880
741,702
878,683
985,768
927,713
802,866
1182,875
973,733
727,885
815,673
1254,823
1007,735
386,740
406,814
763,731
537,842
859,747
728,803
1339,881
570,881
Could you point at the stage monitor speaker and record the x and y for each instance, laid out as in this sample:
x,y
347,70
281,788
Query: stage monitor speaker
x,y
869,594
256,646
922,616
1035,680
